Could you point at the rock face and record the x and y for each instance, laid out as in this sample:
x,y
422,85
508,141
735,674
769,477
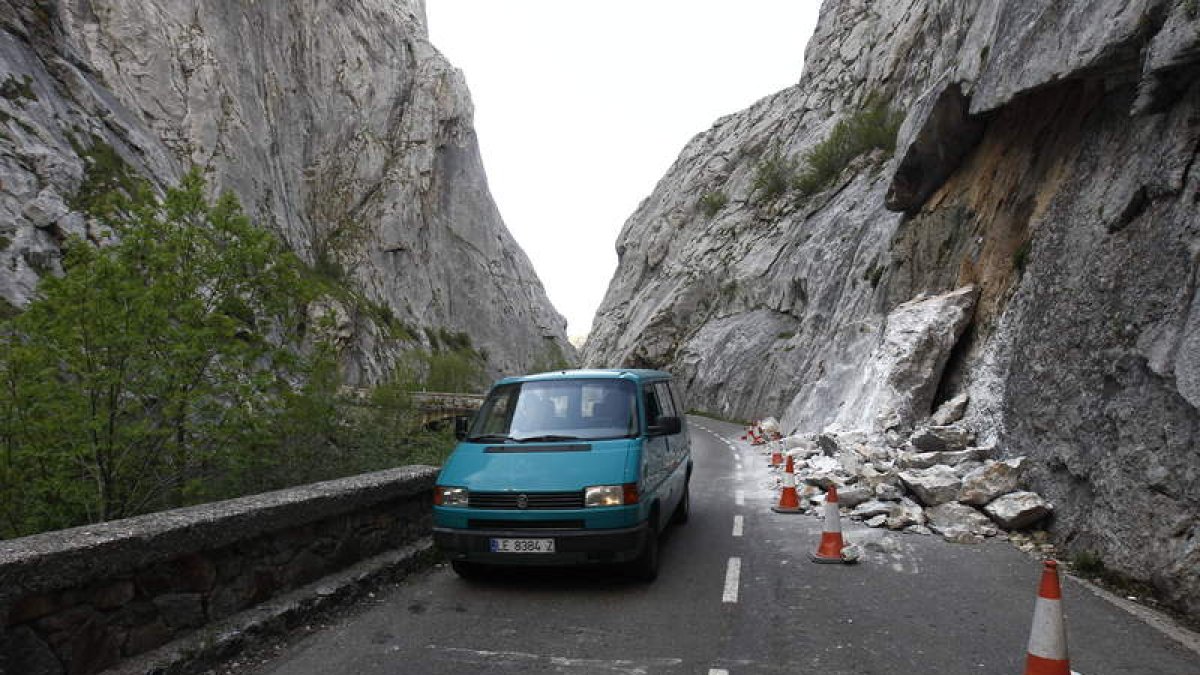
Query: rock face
x,y
1046,159
338,125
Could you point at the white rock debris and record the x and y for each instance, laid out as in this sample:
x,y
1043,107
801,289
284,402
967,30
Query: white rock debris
x,y
956,491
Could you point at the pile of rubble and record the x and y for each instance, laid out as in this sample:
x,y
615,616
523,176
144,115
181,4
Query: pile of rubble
x,y
936,481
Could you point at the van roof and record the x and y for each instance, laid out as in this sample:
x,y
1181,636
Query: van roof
x,y
636,374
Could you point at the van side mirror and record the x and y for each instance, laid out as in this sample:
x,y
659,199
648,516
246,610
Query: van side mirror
x,y
462,424
665,426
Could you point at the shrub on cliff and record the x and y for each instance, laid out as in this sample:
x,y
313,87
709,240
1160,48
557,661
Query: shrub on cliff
x,y
873,127
772,177
713,202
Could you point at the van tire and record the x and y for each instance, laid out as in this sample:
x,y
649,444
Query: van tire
x,y
683,510
645,566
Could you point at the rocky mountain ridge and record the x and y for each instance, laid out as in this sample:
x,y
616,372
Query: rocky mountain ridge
x,y
1043,174
338,125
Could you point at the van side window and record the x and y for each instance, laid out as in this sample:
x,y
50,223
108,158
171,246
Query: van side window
x,y
664,399
680,408
653,408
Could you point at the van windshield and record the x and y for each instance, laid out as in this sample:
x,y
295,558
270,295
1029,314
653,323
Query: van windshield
x,y
557,410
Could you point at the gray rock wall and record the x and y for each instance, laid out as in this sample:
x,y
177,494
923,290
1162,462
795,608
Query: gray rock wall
x,y
1047,158
337,124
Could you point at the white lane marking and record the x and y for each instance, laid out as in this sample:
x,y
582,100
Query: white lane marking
x,y
717,671
738,524
739,497
524,659
732,572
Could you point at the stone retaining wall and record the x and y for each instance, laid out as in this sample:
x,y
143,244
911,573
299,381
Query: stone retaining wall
x,y
78,601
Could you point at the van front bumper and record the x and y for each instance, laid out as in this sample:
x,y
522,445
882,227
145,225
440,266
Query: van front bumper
x,y
570,546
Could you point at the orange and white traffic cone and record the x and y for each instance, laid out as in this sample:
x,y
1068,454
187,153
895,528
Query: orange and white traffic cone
x,y
1047,652
830,548
789,501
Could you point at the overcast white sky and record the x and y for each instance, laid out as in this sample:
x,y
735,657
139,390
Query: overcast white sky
x,y
582,105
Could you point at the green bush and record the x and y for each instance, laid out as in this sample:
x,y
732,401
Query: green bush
x,y
772,178
140,372
713,202
874,127
1087,563
152,373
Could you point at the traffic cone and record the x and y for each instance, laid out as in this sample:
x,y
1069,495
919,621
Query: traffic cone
x,y
789,501
830,548
1047,652
776,454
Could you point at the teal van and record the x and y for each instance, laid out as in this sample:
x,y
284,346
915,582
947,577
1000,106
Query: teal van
x,y
577,466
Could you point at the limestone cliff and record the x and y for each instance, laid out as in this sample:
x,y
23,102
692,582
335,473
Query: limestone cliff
x,y
1046,158
337,124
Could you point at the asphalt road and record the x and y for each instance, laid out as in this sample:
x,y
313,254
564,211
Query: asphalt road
x,y
914,604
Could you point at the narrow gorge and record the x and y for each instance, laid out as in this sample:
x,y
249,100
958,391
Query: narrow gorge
x,y
339,127
1036,189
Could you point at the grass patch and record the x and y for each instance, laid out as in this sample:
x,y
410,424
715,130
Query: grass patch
x,y
713,202
786,335
873,127
1087,563
772,178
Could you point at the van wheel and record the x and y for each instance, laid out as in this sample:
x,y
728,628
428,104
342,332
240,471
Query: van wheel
x,y
645,567
685,506
466,570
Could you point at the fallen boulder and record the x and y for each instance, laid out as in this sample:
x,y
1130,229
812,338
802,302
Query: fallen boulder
x,y
902,374
1018,510
888,492
925,460
951,411
991,480
872,508
903,514
960,523
942,438
853,495
933,486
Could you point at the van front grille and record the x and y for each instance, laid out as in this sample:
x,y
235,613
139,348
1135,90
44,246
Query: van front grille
x,y
475,524
517,501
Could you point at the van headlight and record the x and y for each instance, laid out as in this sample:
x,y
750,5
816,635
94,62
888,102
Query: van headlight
x,y
449,496
610,495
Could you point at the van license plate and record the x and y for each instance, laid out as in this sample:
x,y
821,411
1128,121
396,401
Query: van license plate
x,y
522,545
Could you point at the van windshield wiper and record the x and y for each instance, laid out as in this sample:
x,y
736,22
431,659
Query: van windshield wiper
x,y
491,438
546,438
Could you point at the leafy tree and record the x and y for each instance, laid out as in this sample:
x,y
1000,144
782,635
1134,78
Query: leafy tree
x,y
143,371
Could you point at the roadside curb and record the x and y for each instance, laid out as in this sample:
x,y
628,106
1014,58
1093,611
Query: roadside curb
x,y
222,640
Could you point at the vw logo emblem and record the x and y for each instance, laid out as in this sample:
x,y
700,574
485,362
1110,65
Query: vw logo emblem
x,y
522,502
